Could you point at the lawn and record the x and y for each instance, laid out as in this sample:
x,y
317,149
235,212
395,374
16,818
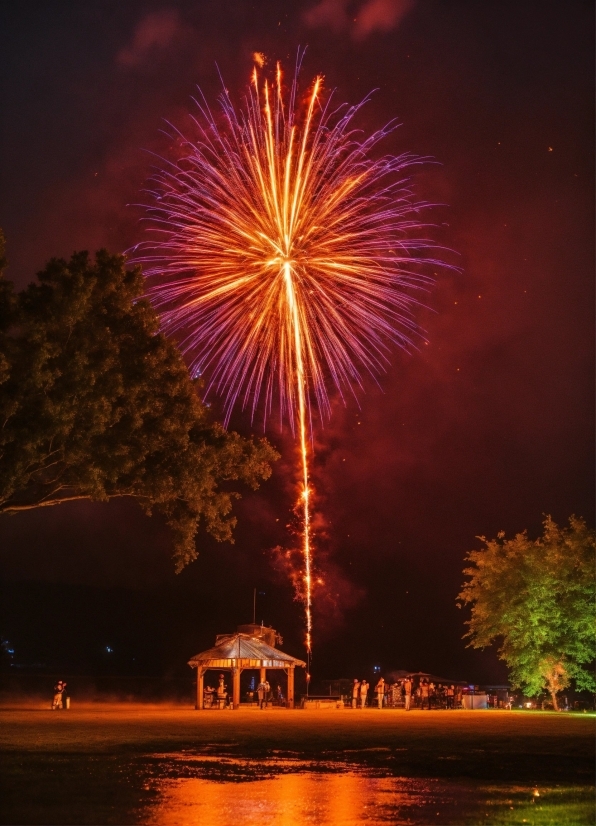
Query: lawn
x,y
119,763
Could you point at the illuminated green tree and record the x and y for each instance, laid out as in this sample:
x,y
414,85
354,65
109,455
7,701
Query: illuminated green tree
x,y
95,403
536,599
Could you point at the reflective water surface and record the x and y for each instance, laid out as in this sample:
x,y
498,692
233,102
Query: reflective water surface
x,y
217,790
343,799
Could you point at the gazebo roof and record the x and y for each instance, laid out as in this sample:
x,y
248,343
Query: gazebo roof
x,y
243,651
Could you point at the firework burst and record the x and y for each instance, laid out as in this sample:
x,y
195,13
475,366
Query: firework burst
x,y
286,257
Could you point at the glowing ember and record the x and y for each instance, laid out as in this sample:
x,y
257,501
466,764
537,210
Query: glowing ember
x,y
285,258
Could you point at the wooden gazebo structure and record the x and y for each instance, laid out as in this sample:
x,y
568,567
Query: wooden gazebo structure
x,y
251,647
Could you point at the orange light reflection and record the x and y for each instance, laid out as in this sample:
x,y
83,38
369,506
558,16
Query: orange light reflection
x,y
343,799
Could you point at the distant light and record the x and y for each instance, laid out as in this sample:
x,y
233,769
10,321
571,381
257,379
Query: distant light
x,y
109,650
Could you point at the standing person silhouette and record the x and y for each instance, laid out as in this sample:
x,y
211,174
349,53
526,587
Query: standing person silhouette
x,y
407,693
363,693
222,692
262,693
424,695
380,691
59,690
355,693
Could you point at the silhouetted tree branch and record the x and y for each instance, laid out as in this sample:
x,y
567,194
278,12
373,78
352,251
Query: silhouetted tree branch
x,y
95,403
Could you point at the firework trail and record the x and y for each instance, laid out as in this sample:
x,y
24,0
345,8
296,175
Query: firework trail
x,y
285,258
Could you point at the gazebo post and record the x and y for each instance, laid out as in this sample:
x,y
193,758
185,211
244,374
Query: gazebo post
x,y
200,687
291,687
236,687
263,676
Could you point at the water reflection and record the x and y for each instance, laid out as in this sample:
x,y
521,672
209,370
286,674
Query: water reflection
x,y
343,799
211,789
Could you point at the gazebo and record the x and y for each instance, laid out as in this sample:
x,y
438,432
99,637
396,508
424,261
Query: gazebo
x,y
251,647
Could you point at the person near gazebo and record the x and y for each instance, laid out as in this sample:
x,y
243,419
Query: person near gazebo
x,y
222,691
263,693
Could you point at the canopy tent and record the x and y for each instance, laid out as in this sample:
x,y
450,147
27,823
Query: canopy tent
x,y
238,652
432,678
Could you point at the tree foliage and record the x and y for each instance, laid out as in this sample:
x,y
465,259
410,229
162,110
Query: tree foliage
x,y
536,598
95,403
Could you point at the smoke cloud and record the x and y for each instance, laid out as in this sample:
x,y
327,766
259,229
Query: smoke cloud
x,y
155,32
360,21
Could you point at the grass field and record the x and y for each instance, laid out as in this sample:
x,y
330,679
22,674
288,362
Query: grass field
x,y
148,764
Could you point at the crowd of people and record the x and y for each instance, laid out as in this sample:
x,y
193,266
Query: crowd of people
x,y
264,695
406,694
403,693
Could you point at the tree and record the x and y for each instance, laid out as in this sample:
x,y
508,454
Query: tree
x,y
536,598
95,403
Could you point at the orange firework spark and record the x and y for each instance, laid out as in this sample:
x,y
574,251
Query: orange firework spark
x,y
286,258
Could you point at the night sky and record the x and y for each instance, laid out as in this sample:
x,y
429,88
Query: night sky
x,y
486,428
